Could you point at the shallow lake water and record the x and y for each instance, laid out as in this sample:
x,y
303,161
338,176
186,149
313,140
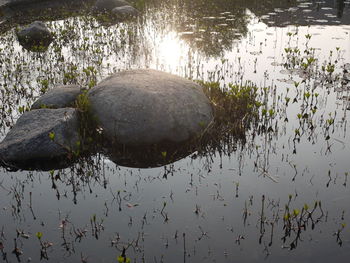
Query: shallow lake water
x,y
279,194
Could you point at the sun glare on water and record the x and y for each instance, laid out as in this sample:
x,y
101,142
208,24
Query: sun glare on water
x,y
171,52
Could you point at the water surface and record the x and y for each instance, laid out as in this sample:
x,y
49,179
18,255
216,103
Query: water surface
x,y
230,205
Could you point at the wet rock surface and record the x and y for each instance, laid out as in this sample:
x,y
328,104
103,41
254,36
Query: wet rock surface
x,y
58,97
39,138
144,107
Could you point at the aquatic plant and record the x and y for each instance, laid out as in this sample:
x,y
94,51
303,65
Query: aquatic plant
x,y
236,110
90,137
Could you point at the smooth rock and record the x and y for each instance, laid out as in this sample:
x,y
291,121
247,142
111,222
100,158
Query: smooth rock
x,y
58,97
109,5
25,12
28,145
125,11
36,35
18,2
143,107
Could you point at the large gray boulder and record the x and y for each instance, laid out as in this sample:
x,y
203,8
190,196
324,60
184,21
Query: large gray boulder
x,y
29,144
143,107
108,5
35,37
59,97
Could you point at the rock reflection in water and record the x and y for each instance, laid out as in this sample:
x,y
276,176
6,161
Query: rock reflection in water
x,y
148,157
134,157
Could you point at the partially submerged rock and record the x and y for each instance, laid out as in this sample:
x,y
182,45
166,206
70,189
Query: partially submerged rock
x,y
24,12
148,118
18,2
125,11
35,37
144,107
59,97
109,5
41,139
110,12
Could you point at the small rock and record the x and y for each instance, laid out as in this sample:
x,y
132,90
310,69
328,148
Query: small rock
x,y
17,2
144,107
125,11
40,138
108,5
58,97
35,37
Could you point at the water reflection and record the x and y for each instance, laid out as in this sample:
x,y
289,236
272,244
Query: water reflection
x,y
171,50
310,13
221,205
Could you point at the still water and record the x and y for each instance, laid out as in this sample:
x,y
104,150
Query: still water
x,y
281,194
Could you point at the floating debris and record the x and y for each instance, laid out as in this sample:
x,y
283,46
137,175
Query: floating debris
x,y
293,9
321,20
326,8
209,17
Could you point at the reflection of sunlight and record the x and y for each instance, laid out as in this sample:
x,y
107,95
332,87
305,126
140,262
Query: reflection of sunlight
x,y
171,51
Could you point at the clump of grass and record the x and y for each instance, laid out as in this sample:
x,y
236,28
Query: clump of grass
x,y
234,104
88,123
82,103
236,108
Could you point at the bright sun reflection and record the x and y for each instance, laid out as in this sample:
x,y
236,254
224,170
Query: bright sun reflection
x,y
171,52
